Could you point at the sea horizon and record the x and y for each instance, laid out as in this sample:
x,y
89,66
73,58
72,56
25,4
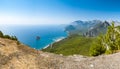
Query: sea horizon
x,y
27,34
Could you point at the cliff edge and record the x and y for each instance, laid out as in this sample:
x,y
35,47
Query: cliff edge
x,y
20,56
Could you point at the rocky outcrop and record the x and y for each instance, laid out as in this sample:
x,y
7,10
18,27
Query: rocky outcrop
x,y
14,56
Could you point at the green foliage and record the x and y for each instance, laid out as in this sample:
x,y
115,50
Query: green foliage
x,y
108,43
112,39
74,44
14,38
97,48
108,52
8,36
1,34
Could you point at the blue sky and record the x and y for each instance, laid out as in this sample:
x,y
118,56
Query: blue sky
x,y
57,11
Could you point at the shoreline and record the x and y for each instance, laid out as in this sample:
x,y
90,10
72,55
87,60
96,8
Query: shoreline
x,y
56,40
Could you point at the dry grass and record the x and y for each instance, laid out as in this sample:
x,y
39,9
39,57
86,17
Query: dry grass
x,y
13,56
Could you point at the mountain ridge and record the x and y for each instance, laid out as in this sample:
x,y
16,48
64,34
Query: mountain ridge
x,y
86,27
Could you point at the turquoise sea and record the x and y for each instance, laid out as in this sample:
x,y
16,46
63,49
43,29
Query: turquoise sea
x,y
27,34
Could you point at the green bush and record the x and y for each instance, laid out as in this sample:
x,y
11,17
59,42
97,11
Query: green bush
x,y
97,48
8,36
1,34
108,52
108,43
13,38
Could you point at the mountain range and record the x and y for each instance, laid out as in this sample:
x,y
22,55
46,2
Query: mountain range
x,y
88,28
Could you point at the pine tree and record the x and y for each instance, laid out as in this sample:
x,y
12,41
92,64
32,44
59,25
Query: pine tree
x,y
97,47
112,39
109,39
108,43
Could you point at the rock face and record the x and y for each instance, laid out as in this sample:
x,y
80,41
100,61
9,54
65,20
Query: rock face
x,y
13,56
100,28
87,28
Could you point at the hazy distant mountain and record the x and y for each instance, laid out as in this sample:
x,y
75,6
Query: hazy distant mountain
x,y
99,28
87,28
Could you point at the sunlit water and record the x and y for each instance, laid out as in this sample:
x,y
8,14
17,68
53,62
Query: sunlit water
x,y
27,34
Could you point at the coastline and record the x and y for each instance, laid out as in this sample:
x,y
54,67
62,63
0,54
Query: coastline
x,y
55,40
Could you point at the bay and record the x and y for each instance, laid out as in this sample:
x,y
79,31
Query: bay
x,y
27,34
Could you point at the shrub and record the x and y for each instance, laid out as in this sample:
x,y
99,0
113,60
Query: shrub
x,y
1,34
7,36
108,44
13,38
97,48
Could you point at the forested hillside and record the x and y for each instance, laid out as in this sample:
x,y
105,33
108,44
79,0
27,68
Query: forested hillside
x,y
89,46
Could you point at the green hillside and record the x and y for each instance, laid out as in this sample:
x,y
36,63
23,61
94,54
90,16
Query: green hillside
x,y
89,46
72,45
